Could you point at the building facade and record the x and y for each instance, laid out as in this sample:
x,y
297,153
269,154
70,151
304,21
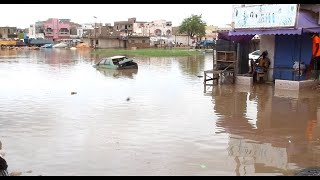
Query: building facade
x,y
8,32
33,33
154,28
125,26
56,29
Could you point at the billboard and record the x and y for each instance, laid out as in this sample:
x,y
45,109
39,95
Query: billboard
x,y
265,16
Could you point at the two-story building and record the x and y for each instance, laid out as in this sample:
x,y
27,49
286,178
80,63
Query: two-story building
x,y
56,29
125,26
154,28
34,33
8,32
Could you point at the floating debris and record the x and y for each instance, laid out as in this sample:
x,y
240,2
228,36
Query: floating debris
x,y
203,166
15,173
72,93
199,76
128,99
309,172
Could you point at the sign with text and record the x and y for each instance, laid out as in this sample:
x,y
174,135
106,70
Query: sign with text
x,y
265,16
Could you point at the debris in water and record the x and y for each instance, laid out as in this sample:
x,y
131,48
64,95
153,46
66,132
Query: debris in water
x,y
15,173
309,172
203,166
200,76
72,93
128,99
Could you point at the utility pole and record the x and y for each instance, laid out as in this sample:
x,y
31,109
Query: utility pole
x,y
95,34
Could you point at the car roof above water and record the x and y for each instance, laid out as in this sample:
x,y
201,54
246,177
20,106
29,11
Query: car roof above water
x,y
116,57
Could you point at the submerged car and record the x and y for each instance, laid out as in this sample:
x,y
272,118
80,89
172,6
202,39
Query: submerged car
x,y
117,62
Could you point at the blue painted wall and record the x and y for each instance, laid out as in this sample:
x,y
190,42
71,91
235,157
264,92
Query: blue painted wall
x,y
287,50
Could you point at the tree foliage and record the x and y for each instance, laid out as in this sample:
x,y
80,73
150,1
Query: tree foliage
x,y
193,26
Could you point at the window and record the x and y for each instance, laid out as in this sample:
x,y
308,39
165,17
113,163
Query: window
x,y
49,31
256,53
115,61
143,41
132,41
102,62
97,42
107,62
64,31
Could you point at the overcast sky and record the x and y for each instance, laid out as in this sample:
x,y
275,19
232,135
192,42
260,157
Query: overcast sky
x,y
22,15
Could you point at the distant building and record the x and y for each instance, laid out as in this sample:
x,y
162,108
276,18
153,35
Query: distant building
x,y
56,29
8,32
125,26
211,33
180,38
154,28
84,30
34,33
74,29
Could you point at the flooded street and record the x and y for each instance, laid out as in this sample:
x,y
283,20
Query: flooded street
x,y
156,120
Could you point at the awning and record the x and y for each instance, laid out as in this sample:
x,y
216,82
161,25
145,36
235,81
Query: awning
x,y
237,39
306,23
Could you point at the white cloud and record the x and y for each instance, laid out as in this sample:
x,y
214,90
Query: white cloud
x,y
212,14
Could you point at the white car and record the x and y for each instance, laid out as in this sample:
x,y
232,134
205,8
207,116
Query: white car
x,y
253,56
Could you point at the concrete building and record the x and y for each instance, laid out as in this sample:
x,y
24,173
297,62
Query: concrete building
x,y
8,32
139,42
181,38
211,33
109,42
154,28
74,29
84,30
56,29
284,45
33,33
125,26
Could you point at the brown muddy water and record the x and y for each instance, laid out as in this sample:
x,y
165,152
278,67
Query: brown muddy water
x,y
168,126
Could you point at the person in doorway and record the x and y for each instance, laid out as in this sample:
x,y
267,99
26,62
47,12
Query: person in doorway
x,y
261,65
3,163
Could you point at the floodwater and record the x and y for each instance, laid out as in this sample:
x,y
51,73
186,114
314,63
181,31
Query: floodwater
x,y
168,126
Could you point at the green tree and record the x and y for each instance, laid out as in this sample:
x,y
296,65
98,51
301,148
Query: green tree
x,y
193,26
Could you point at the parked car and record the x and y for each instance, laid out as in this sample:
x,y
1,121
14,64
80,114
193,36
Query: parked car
x,y
253,56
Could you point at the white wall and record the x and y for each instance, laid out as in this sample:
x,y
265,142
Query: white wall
x,y
267,42
182,39
32,31
150,27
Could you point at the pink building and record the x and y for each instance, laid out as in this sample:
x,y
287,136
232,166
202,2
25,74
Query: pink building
x,y
56,29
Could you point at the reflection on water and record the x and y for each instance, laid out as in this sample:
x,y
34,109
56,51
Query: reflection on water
x,y
273,135
118,73
169,127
